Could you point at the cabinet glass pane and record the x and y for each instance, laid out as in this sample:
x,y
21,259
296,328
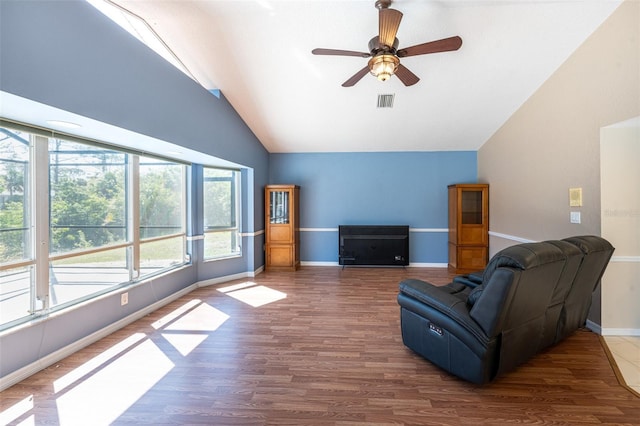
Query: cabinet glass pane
x,y
279,207
471,207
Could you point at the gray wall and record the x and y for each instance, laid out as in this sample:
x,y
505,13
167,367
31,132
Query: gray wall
x,y
69,55
552,143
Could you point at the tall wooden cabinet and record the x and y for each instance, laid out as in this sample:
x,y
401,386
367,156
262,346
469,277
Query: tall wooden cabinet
x,y
468,227
282,229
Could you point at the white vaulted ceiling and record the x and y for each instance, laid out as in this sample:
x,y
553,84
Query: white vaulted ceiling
x,y
258,53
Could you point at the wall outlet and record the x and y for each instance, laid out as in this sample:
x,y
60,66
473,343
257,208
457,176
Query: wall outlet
x,y
124,299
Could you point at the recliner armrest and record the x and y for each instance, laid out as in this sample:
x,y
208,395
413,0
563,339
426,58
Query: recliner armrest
x,y
476,276
440,299
429,294
471,280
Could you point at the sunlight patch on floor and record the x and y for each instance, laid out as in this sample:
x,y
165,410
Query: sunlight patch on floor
x,y
18,410
204,317
109,383
111,390
257,295
96,362
176,313
184,342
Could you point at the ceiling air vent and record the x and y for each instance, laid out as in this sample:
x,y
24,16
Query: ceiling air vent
x,y
385,101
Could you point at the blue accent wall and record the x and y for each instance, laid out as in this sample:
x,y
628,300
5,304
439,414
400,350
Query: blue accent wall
x,y
380,188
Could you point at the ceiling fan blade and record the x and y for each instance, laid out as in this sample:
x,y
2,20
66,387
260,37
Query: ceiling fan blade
x,y
337,52
356,77
389,21
444,45
406,77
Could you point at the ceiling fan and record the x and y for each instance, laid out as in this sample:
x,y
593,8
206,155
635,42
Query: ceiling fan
x,y
384,53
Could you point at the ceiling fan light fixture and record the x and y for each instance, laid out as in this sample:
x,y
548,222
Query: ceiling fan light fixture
x,y
383,66
384,53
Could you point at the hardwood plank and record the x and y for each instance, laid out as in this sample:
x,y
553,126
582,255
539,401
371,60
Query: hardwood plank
x,y
326,350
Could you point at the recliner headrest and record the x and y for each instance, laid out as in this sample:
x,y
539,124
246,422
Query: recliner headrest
x,y
523,256
567,248
590,243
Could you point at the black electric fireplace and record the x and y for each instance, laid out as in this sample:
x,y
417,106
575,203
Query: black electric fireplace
x,y
374,245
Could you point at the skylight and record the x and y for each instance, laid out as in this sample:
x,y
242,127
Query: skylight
x,y
140,29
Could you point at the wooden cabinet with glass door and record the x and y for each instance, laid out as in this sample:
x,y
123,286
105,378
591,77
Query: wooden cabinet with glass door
x,y
282,229
468,227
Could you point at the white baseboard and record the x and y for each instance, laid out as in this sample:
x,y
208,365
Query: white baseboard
x,y
626,259
428,265
227,278
598,329
311,263
620,332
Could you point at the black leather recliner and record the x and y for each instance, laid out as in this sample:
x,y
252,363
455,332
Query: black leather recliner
x,y
529,296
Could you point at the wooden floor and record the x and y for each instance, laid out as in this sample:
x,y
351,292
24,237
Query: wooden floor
x,y
321,346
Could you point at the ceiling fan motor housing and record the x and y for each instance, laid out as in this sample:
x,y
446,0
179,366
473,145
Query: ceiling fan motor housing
x,y
375,47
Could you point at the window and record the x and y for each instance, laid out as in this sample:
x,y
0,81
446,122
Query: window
x,y
162,214
221,213
14,206
16,254
110,218
87,210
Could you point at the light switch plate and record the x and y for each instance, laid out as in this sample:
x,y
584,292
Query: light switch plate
x,y
575,217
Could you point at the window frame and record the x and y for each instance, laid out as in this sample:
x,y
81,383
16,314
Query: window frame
x,y
235,215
